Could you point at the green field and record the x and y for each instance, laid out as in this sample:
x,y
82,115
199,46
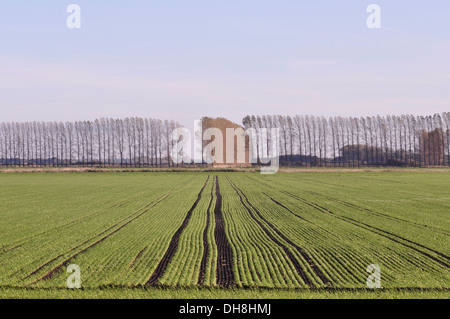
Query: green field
x,y
225,234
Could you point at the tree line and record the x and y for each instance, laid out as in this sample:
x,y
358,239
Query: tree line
x,y
305,140
130,142
404,140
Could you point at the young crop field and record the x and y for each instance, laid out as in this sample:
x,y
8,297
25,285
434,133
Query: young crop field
x,y
222,234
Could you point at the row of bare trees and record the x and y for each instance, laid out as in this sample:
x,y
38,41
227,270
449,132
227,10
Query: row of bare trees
x,y
133,142
405,140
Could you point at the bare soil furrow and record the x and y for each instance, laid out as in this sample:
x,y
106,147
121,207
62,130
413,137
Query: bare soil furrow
x,y
298,216
57,268
25,240
393,237
201,276
137,257
354,206
294,261
224,272
173,245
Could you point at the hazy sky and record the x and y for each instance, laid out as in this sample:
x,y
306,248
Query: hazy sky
x,y
185,59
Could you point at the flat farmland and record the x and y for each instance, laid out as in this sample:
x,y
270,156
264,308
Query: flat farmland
x,y
224,234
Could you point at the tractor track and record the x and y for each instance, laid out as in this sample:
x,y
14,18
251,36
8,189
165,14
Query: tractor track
x,y
224,270
298,216
294,261
142,251
137,257
133,217
97,213
202,273
173,245
354,206
25,240
378,231
279,204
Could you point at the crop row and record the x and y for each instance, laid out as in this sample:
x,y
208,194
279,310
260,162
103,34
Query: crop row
x,y
244,230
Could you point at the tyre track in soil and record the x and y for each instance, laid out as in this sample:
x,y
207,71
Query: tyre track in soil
x,y
142,251
201,276
97,213
97,235
291,257
143,210
224,271
351,205
354,206
173,245
377,231
369,226
298,216
137,257
94,214
133,217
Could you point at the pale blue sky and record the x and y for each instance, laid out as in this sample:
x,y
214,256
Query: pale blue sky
x,y
184,59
